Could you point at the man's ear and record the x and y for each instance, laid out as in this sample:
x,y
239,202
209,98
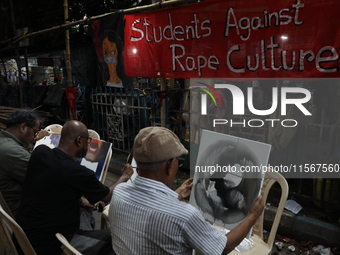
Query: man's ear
x,y
77,140
171,167
23,128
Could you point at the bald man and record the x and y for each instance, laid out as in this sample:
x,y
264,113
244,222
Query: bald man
x,y
54,184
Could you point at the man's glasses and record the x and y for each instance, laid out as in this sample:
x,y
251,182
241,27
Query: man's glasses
x,y
179,159
89,139
35,132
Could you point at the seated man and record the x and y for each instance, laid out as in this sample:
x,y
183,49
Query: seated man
x,y
22,129
54,184
147,217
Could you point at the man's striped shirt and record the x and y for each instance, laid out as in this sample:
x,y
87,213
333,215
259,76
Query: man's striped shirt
x,y
146,217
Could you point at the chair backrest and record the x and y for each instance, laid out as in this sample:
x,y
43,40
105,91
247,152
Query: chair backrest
x,y
5,206
67,248
9,226
270,179
6,243
104,221
106,167
54,128
94,134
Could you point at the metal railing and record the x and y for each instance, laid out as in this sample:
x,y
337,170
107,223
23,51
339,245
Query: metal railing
x,y
120,113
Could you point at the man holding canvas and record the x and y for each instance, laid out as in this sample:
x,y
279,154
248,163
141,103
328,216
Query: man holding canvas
x,y
54,184
146,216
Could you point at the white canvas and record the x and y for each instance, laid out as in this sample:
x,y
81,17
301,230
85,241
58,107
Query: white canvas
x,y
225,198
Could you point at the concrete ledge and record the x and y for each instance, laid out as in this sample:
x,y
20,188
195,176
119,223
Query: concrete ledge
x,y
316,231
303,228
286,223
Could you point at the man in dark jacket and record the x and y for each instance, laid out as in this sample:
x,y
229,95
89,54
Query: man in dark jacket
x,y
22,128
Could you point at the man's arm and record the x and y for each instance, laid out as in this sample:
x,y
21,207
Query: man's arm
x,y
235,236
185,189
127,172
41,134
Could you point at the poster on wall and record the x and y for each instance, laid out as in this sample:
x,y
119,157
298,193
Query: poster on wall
x,y
96,158
228,177
108,39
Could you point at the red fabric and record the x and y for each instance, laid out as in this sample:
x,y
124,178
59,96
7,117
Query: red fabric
x,y
311,50
71,95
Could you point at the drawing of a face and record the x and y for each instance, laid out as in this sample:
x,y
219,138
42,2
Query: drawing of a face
x,y
93,150
227,196
97,151
110,53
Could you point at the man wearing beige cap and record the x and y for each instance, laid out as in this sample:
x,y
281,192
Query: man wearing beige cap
x,y
147,217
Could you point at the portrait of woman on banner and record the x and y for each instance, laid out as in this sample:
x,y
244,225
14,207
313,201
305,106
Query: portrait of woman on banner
x,y
112,53
107,35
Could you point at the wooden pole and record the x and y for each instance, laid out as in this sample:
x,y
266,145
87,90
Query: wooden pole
x,y
164,103
68,52
150,7
67,48
163,84
17,56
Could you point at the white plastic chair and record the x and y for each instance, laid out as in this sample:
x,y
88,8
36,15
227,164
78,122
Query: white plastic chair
x,y
8,226
104,222
106,167
67,248
5,206
93,134
261,247
54,128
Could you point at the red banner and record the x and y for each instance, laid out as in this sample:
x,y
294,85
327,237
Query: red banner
x,y
235,39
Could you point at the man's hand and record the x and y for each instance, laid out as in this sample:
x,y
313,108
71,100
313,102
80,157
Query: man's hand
x,y
236,235
126,175
83,202
41,134
127,172
185,189
256,209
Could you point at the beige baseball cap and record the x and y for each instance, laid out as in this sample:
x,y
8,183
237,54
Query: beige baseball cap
x,y
154,144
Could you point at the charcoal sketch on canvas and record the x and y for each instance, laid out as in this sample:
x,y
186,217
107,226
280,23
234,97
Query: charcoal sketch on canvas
x,y
224,187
